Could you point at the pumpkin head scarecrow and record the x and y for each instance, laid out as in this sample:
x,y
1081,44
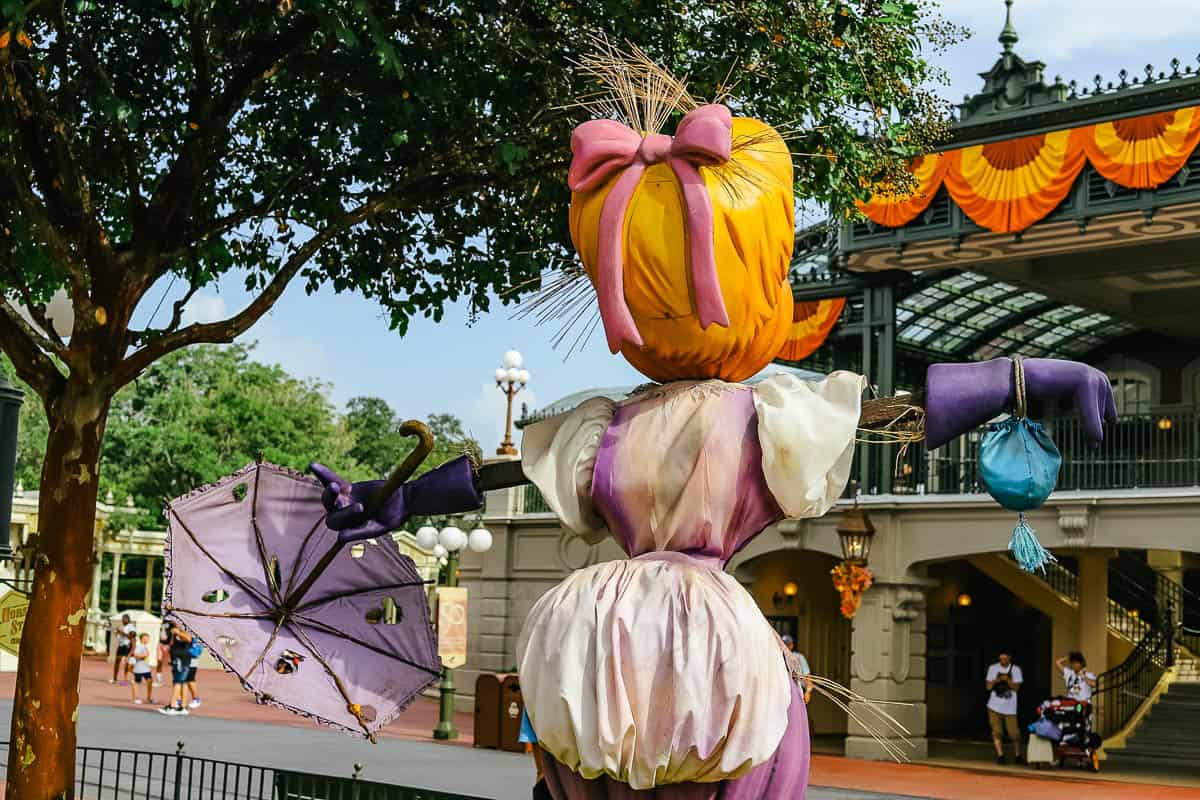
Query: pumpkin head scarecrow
x,y
657,675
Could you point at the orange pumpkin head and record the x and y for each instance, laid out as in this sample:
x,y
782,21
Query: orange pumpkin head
x,y
752,234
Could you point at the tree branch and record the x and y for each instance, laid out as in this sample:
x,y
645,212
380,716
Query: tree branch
x,y
17,338
176,194
226,331
64,194
133,179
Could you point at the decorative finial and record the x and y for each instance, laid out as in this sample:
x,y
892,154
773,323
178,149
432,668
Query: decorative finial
x,y
1008,36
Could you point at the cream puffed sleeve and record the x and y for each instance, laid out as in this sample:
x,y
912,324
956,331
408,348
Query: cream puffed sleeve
x,y
559,456
807,431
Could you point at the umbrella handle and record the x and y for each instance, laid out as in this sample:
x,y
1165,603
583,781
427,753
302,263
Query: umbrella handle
x,y
407,467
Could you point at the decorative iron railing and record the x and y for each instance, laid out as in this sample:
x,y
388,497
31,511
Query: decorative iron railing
x,y
1121,690
1138,452
103,773
533,502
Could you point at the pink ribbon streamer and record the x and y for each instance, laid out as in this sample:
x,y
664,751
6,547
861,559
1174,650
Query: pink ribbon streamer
x,y
604,147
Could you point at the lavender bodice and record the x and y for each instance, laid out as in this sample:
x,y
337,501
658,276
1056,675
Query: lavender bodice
x,y
683,471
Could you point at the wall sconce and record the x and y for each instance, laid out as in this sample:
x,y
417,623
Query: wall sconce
x,y
963,600
1165,424
787,596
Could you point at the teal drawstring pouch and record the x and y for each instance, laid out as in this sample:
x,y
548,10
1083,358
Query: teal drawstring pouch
x,y
1018,465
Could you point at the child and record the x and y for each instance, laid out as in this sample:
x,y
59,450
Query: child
x,y
140,661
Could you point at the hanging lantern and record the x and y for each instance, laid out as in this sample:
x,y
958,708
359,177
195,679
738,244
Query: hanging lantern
x,y
852,578
855,532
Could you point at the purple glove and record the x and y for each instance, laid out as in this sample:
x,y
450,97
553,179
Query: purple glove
x,y
960,397
449,489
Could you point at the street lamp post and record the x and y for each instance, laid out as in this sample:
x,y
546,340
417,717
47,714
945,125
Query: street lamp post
x,y
510,379
446,545
10,410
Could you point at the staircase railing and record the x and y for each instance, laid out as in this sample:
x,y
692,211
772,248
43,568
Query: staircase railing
x,y
1121,690
1161,597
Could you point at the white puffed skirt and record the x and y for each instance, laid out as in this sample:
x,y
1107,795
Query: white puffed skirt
x,y
654,670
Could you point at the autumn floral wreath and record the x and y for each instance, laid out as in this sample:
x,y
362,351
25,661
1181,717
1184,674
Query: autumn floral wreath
x,y
851,580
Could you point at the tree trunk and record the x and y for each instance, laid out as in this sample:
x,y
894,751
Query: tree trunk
x,y
41,753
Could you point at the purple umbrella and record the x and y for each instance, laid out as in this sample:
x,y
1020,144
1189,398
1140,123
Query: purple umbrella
x,y
334,631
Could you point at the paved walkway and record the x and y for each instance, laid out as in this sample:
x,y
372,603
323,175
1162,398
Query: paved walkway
x,y
222,697
231,726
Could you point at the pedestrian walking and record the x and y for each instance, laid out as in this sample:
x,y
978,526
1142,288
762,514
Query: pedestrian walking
x,y
1004,680
798,666
125,635
139,659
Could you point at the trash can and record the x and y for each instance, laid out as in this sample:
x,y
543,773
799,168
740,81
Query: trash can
x,y
511,707
487,710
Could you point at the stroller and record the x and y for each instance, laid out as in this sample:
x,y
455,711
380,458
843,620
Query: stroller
x,y
1063,733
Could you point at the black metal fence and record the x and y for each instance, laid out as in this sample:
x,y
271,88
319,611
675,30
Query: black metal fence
x,y
1138,452
103,773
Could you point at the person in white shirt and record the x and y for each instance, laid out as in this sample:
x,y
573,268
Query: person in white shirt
x,y
126,633
1080,682
1004,680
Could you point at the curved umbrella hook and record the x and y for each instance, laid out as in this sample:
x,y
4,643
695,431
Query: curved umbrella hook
x,y
407,467
399,475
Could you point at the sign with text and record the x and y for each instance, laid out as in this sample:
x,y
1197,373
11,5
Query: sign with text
x,y
452,625
13,607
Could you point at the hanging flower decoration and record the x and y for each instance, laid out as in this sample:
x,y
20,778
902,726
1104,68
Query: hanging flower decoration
x,y
1009,185
851,582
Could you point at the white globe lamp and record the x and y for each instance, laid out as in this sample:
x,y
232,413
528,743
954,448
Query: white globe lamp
x,y
479,540
427,537
439,551
61,314
513,360
452,539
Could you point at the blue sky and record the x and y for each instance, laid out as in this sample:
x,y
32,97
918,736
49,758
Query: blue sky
x,y
447,367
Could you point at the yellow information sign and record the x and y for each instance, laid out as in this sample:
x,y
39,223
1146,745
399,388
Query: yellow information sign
x,y
452,625
13,607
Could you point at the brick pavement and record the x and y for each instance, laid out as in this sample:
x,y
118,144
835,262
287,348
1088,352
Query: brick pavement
x,y
223,698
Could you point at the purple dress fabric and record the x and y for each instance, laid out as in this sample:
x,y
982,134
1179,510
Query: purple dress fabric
x,y
678,477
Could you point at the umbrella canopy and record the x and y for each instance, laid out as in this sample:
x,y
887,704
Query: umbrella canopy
x,y
340,634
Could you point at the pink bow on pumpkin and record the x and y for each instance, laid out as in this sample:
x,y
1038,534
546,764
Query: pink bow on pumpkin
x,y
604,147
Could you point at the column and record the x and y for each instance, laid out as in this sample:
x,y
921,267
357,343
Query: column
x,y
94,634
1093,608
114,583
888,663
148,595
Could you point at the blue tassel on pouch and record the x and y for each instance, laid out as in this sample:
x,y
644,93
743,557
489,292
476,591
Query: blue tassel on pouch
x,y
1026,548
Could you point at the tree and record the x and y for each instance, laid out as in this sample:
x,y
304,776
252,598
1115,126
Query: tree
x,y
413,151
204,412
378,447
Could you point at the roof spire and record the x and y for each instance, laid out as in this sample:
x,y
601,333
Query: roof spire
x,y
1008,36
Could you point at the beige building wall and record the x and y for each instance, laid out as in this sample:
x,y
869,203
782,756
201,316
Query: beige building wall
x,y
887,639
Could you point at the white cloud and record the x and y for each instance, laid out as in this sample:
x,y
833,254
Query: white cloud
x,y
300,355
204,308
